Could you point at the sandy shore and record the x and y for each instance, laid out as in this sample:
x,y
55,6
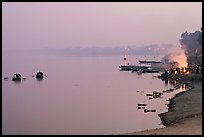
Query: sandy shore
x,y
184,116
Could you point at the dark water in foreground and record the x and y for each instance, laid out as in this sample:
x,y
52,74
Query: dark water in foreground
x,y
81,95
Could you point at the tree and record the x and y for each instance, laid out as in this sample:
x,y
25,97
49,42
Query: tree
x,y
200,38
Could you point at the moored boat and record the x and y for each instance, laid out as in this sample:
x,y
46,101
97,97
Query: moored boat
x,y
39,75
150,71
132,67
16,77
149,61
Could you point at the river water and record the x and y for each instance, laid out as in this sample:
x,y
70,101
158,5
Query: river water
x,y
80,95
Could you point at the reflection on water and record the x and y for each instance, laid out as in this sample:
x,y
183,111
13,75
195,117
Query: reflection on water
x,y
82,95
39,79
178,85
17,81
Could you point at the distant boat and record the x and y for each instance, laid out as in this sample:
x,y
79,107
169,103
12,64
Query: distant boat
x,y
39,75
146,70
139,69
149,61
150,71
132,67
16,77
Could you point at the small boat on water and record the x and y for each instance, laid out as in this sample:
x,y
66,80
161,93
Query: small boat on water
x,y
150,71
39,75
16,77
149,61
132,67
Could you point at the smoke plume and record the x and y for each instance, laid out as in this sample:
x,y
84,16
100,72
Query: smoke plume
x,y
177,56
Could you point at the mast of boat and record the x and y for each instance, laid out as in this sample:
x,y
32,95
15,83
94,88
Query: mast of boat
x,y
125,52
126,56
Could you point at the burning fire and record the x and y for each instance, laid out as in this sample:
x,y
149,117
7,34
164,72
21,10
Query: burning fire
x,y
180,58
185,71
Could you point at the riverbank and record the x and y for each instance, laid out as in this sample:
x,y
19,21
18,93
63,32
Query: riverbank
x,y
184,116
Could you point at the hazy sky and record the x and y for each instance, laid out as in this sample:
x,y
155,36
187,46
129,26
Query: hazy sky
x,y
97,24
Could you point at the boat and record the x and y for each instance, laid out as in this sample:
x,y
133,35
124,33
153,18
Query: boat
x,y
16,77
39,75
146,70
149,61
132,67
149,71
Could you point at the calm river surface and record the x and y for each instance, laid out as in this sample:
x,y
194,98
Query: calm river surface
x,y
80,95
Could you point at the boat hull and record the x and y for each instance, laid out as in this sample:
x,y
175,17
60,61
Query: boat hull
x,y
16,79
146,61
39,76
132,67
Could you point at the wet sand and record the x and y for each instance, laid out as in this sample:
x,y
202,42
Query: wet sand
x,y
184,116
186,126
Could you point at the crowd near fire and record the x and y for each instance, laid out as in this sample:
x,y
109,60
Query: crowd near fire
x,y
186,59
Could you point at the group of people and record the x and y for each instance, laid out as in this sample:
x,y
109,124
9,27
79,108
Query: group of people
x,y
17,77
184,70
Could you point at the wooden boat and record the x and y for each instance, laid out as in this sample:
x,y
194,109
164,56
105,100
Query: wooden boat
x,y
140,104
150,71
149,110
16,77
132,67
149,61
39,75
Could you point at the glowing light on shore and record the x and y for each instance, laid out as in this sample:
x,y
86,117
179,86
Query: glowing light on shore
x,y
180,57
187,72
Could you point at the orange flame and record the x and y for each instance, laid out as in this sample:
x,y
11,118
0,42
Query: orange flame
x,y
179,56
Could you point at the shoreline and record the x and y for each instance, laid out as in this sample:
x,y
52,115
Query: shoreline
x,y
184,115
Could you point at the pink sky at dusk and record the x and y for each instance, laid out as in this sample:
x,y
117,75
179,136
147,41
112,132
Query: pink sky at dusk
x,y
96,24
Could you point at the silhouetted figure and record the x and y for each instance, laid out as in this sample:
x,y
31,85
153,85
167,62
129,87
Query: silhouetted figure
x,y
197,70
39,75
178,70
16,77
